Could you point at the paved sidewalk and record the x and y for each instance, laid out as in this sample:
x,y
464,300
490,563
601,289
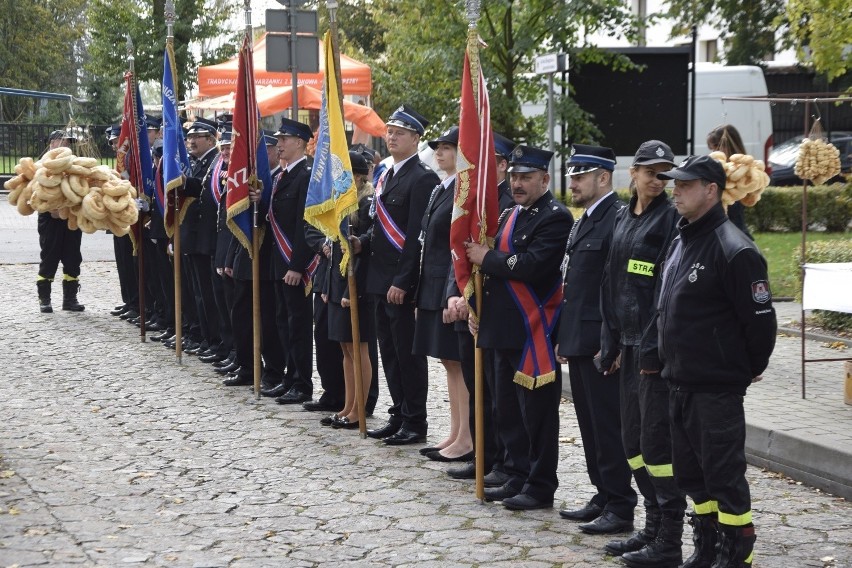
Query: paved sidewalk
x,y
111,454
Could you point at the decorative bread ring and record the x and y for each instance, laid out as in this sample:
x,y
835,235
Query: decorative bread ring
x,y
63,213
101,173
720,156
60,152
23,205
69,193
48,180
739,173
112,189
93,206
128,216
78,170
86,225
48,192
751,199
118,229
28,166
100,223
79,186
72,222
58,165
85,162
14,183
115,204
13,196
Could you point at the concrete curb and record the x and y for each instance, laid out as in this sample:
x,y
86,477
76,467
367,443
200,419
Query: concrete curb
x,y
800,458
814,336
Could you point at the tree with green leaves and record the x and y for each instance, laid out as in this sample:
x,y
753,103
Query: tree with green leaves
x,y
822,33
42,49
747,26
197,24
416,51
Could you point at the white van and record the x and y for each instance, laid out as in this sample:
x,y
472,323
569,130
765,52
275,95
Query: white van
x,y
714,81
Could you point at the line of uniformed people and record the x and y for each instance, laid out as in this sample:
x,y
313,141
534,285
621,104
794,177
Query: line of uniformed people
x,y
399,237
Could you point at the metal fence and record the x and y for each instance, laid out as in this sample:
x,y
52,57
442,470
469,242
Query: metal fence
x,y
19,140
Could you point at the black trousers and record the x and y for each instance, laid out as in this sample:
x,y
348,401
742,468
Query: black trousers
x,y
494,449
155,298
125,266
329,358
165,279
294,319
406,374
241,322
596,402
200,268
529,428
223,311
708,443
189,311
646,435
58,244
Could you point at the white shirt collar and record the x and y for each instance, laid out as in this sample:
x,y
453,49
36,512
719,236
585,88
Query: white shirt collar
x,y
398,165
292,165
595,204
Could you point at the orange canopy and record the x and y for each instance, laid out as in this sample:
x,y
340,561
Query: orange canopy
x,y
271,100
221,79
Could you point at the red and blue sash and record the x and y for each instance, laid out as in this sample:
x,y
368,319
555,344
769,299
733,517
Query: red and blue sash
x,y
286,249
216,180
538,363
393,233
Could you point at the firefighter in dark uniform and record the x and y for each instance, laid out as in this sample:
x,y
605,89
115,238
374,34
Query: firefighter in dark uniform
x,y
293,261
716,327
640,239
198,232
128,281
223,285
161,258
59,244
520,309
494,450
596,396
401,197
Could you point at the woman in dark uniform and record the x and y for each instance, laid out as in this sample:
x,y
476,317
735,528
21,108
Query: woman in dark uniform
x,y
640,239
339,316
727,139
434,334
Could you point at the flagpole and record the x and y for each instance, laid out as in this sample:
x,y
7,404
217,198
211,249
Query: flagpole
x,y
472,10
137,228
350,271
170,36
255,247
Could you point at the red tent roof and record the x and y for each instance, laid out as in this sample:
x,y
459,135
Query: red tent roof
x,y
221,79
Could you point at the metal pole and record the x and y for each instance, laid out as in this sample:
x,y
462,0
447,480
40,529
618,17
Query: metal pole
x,y
170,36
694,94
294,71
550,127
138,226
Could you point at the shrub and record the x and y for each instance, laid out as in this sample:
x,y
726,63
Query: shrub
x,y
780,208
826,251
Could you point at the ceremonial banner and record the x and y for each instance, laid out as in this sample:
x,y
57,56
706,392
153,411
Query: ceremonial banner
x,y
175,161
134,152
475,205
249,163
332,194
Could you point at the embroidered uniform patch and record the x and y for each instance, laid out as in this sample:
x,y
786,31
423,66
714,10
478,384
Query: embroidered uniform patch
x,y
760,291
511,261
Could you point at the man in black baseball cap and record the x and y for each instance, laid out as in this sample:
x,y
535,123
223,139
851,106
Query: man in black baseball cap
x,y
699,183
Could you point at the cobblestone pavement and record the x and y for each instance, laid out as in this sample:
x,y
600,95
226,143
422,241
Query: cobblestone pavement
x,y
111,454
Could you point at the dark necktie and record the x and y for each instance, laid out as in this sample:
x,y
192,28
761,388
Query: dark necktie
x,y
389,177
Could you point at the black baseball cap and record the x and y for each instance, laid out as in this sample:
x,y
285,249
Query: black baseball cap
x,y
698,167
653,152
359,163
450,136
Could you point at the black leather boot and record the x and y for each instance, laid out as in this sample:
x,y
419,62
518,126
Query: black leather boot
x,y
44,296
705,534
665,551
69,296
736,547
641,538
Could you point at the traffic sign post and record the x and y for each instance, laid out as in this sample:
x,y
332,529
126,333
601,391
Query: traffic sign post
x,y
286,50
549,64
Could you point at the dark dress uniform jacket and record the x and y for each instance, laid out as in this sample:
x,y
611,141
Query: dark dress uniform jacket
x,y
436,263
224,236
198,229
288,205
588,248
539,240
405,199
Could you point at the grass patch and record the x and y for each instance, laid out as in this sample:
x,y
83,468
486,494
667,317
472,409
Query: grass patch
x,y
780,249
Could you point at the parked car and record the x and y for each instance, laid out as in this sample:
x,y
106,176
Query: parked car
x,y
782,158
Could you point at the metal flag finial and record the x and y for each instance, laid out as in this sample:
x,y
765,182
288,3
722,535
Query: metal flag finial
x,y
129,45
170,12
472,10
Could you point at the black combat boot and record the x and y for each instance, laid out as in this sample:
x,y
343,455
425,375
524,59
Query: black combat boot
x,y
44,296
705,534
641,538
69,296
665,551
736,547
